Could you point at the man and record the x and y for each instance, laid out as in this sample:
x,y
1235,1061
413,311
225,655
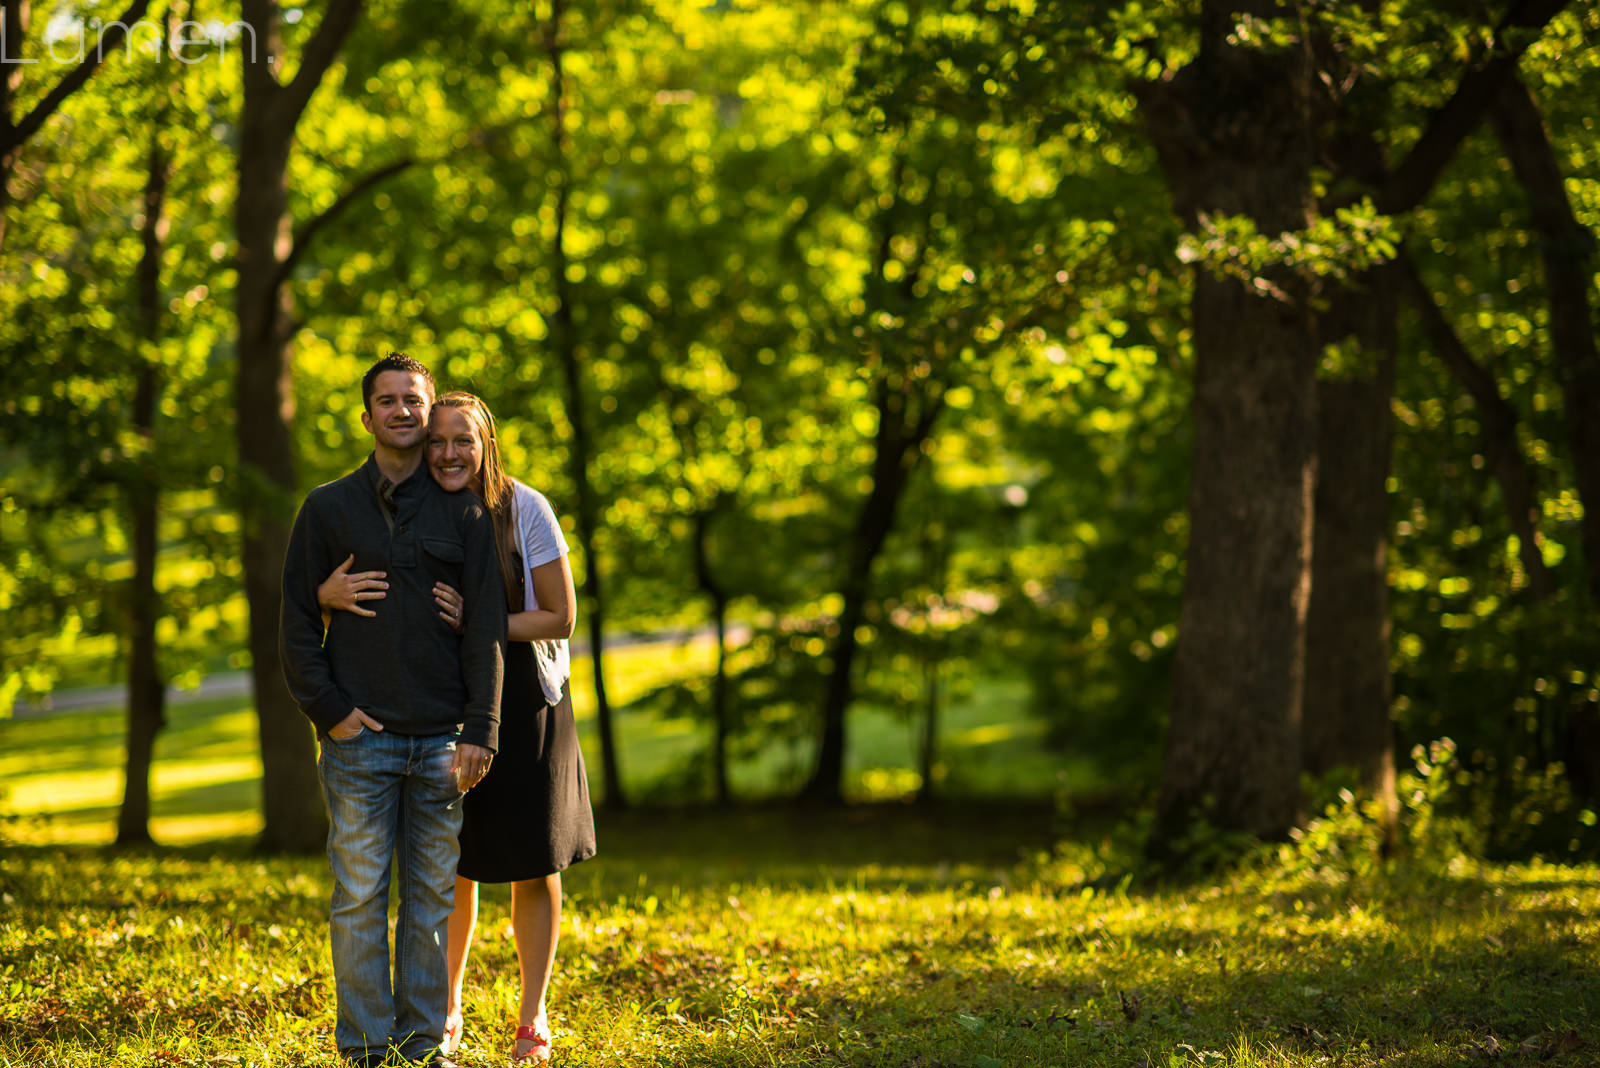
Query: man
x,y
407,712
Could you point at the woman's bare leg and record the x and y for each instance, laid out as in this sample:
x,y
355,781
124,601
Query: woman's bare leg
x,y
463,919
536,924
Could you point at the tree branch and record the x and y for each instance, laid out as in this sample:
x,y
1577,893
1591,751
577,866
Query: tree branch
x,y
1409,183
15,136
1566,248
314,226
1497,424
319,54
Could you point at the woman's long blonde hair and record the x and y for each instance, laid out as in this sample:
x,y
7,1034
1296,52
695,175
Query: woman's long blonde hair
x,y
496,484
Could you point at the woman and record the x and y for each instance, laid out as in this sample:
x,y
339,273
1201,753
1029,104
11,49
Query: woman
x,y
530,817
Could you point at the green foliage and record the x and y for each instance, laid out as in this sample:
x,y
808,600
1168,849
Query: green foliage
x,y
1447,823
1353,240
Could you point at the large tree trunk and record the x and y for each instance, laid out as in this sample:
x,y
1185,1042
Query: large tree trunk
x,y
291,799
1233,135
1345,717
1567,249
1345,714
146,687
566,345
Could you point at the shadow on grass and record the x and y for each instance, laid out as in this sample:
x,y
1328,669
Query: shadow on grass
x,y
93,742
890,844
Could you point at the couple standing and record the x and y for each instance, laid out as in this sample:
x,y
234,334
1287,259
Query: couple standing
x,y
458,607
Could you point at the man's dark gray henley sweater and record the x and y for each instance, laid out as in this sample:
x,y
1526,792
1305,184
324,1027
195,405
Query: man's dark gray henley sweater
x,y
405,667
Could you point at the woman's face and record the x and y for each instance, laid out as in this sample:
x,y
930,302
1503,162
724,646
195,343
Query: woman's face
x,y
455,452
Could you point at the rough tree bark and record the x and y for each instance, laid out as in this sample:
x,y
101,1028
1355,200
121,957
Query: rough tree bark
x,y
291,799
1345,718
564,340
1233,134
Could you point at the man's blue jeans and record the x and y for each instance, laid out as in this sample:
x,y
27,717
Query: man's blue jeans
x,y
390,796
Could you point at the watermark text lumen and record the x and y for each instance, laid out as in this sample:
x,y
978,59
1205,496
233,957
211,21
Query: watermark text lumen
x,y
183,43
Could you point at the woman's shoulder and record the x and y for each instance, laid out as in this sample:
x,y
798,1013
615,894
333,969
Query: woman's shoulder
x,y
531,504
520,488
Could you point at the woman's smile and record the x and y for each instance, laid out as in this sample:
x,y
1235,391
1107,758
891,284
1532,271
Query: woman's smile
x,y
455,455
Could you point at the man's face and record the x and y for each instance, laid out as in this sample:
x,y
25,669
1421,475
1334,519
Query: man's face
x,y
398,417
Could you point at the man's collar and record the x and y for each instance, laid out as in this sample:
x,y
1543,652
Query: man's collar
x,y
377,478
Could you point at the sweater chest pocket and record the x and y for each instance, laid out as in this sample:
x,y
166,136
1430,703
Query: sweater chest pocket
x,y
443,558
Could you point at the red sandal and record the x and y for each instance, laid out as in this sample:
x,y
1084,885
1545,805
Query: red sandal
x,y
539,1051
452,1033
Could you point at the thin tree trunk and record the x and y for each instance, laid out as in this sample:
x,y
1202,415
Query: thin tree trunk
x,y
706,580
1233,135
898,448
928,751
719,704
1567,248
936,561
566,346
292,808
146,687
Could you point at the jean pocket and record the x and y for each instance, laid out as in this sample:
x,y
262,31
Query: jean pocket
x,y
361,728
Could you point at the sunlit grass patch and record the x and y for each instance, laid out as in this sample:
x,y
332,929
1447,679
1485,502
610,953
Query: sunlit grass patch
x,y
61,776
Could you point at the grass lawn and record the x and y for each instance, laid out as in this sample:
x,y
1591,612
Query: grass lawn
x,y
964,934
873,936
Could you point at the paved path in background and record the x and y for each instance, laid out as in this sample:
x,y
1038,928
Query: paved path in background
x,y
237,683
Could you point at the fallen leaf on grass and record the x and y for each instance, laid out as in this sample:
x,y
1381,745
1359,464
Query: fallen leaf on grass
x,y
1565,1042
1548,1046
975,1024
